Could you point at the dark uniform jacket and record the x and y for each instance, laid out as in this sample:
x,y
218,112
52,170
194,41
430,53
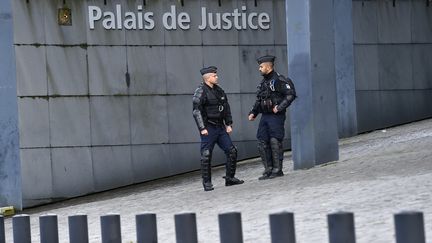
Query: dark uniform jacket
x,y
210,106
273,90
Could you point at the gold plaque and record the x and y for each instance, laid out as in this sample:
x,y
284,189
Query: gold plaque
x,y
64,16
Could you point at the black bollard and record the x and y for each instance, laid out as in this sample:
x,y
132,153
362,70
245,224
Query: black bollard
x,y
2,230
48,228
341,227
78,229
282,228
146,228
409,227
185,227
111,230
21,228
230,228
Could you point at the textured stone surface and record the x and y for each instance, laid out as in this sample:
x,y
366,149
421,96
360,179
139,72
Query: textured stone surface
x,y
33,122
373,180
70,121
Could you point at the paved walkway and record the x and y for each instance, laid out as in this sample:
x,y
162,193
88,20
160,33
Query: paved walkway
x,y
378,174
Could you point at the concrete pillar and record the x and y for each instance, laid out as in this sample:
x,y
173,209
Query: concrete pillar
x,y
10,166
311,65
344,64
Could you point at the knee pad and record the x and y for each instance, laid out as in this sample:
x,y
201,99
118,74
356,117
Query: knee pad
x,y
233,153
274,142
262,146
276,148
206,156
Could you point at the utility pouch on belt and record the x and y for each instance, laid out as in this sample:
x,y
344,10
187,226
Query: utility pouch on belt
x,y
266,105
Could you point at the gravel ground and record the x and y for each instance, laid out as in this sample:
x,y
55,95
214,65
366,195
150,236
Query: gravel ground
x,y
378,174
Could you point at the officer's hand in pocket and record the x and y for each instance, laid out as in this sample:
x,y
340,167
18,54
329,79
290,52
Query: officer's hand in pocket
x,y
204,132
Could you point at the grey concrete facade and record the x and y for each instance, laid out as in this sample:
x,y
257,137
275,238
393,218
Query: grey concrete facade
x,y
393,52
81,117
344,68
10,169
85,96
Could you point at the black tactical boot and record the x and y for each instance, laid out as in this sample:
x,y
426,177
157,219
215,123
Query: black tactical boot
x,y
208,186
266,157
276,173
231,181
230,168
265,176
206,170
276,148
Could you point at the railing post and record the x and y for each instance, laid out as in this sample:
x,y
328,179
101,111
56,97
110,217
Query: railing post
x,y
146,228
2,230
185,227
230,228
409,227
48,228
21,228
111,229
282,228
78,229
341,227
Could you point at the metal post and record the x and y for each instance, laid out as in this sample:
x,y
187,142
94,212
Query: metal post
x,y
282,227
341,227
230,228
409,227
111,230
21,228
48,228
186,229
2,230
146,228
78,229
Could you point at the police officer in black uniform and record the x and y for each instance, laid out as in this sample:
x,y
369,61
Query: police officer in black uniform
x,y
212,115
275,93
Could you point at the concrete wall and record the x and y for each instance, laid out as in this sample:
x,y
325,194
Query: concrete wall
x,y
393,56
80,117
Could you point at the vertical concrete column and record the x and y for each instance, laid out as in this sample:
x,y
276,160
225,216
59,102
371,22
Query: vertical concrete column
x,y
344,65
311,59
10,166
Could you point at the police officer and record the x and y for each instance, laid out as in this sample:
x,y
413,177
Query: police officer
x,y
275,93
212,115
